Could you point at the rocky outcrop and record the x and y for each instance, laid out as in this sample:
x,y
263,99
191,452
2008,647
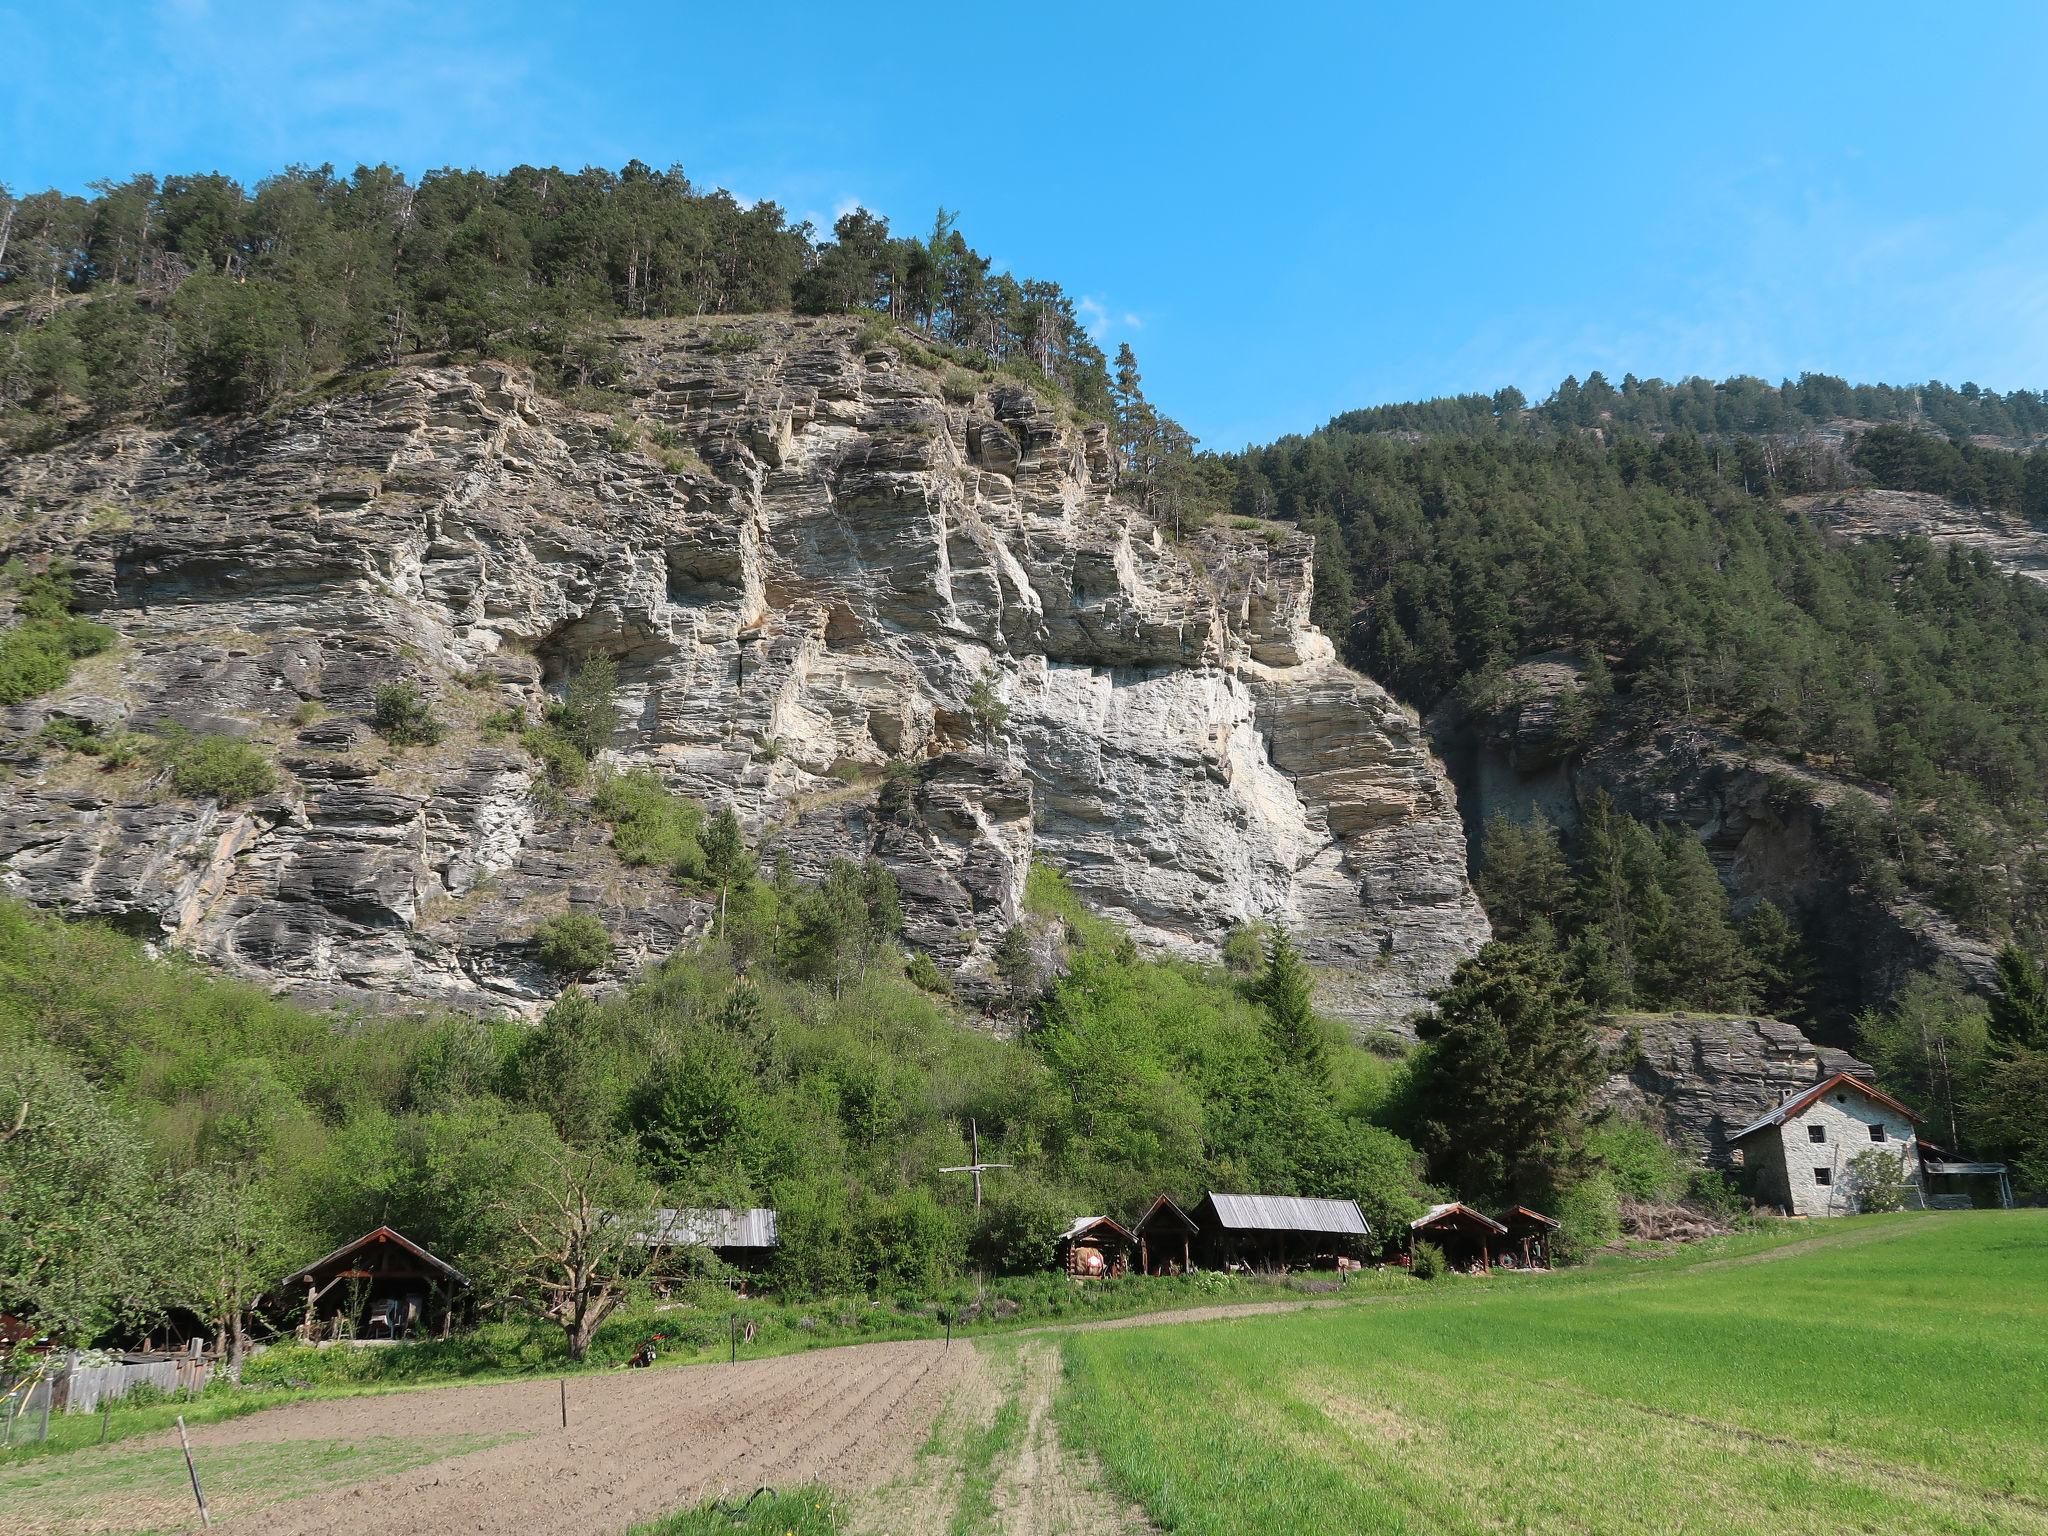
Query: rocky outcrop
x,y
2009,541
1702,1077
803,555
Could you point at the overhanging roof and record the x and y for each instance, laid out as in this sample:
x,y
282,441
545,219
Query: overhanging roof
x,y
1453,1210
1808,1096
1287,1213
1166,1211
1083,1225
374,1236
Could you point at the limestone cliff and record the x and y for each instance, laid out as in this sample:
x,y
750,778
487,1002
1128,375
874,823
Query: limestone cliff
x,y
803,554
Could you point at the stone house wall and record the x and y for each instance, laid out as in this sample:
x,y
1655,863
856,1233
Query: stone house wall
x,y
1791,1164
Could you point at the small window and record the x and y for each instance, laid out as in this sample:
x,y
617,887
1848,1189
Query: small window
x,y
1877,1133
1823,1175
1816,1133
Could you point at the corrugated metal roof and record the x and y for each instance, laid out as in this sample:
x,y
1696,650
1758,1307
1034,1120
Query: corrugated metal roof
x,y
1806,1096
1083,1223
1288,1213
702,1228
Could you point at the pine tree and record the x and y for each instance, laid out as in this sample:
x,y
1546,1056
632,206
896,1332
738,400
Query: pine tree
x,y
1285,990
1697,959
2019,1011
1524,881
1503,1084
726,856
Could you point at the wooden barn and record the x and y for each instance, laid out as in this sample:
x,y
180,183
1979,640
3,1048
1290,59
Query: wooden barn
x,y
1467,1238
381,1286
1166,1239
1278,1232
746,1240
1095,1248
1526,1244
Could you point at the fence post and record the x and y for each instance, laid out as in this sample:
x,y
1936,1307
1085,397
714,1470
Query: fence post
x,y
733,1328
565,1402
106,1412
193,1471
49,1392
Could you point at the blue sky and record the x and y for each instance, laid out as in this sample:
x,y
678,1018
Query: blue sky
x,y
1288,210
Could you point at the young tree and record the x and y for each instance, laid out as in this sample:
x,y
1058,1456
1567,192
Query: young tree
x,y
985,707
1524,881
233,1242
725,855
1503,1085
1931,1047
587,713
1285,991
1014,966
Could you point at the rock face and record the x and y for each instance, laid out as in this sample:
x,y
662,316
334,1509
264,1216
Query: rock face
x,y
1702,1077
2008,540
804,556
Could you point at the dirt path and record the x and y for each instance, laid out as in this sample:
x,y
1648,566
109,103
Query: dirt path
x,y
1046,1490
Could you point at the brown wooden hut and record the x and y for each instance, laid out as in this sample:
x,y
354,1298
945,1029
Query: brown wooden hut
x,y
1095,1248
1527,1241
1166,1237
1278,1232
382,1285
1466,1237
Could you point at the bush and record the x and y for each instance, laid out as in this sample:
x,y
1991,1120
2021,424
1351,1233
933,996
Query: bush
x,y
959,386
925,974
223,768
36,655
1426,1261
403,716
1638,1159
572,944
587,713
652,825
561,763
1588,1219
1877,1181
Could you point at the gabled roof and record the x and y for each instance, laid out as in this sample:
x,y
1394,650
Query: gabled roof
x,y
1287,1213
699,1227
1452,1210
1166,1210
378,1235
1805,1097
1084,1224
1527,1214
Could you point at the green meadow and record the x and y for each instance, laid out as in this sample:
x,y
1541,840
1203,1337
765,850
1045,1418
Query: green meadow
x,y
1889,1374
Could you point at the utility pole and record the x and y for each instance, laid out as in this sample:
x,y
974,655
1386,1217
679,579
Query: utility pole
x,y
977,1167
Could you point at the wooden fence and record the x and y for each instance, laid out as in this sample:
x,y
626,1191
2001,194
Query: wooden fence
x,y
27,1401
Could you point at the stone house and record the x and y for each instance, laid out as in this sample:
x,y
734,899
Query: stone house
x,y
1798,1156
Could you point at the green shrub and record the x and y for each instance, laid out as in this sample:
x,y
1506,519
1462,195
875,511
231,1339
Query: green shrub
x,y
114,749
652,825
403,716
800,1512
572,944
562,763
223,768
500,721
924,973
1639,1161
1877,1180
1427,1262
1588,1217
36,655
959,386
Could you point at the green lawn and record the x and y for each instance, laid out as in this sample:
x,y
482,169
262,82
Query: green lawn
x,y
1889,1375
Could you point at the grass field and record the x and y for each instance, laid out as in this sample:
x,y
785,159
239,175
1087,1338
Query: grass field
x,y
1890,1374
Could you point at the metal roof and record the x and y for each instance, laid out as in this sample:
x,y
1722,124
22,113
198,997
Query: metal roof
x,y
1805,1096
1962,1168
1083,1223
701,1228
1452,1208
1287,1213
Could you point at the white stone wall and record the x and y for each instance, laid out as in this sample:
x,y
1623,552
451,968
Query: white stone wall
x,y
1845,1118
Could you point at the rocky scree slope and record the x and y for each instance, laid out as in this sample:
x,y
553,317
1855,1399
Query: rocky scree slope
x,y
803,556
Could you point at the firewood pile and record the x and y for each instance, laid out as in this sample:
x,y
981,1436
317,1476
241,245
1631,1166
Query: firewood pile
x,y
1658,1222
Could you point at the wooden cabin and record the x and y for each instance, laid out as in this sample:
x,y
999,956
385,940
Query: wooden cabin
x,y
1278,1232
1095,1248
1527,1241
1166,1239
381,1286
1467,1238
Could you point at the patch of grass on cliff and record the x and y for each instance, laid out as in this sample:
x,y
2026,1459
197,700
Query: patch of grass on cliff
x,y
37,653
1786,1393
222,768
651,825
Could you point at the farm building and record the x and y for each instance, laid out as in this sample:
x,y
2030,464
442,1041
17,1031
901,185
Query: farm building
x,y
1094,1248
1277,1231
1527,1243
1166,1239
382,1285
1468,1239
744,1239
1952,1183
1799,1155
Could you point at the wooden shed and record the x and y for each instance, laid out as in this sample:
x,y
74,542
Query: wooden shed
x,y
382,1285
1527,1241
1466,1237
746,1239
1095,1248
1278,1232
1166,1237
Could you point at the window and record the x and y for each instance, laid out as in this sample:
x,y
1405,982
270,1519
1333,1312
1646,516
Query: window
x,y
1877,1133
1816,1133
1823,1176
